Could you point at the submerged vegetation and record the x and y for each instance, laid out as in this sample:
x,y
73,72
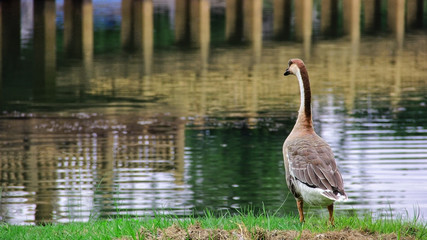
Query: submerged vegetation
x,y
245,225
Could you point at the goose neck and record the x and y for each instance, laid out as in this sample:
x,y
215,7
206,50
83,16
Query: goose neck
x,y
304,113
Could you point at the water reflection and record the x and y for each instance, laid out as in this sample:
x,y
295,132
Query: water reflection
x,y
91,166
88,133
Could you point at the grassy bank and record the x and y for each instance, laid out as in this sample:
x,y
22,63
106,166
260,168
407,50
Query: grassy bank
x,y
245,225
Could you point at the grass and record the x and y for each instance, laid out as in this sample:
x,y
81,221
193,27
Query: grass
x,y
127,226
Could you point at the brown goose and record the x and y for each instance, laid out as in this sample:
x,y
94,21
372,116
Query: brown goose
x,y
311,172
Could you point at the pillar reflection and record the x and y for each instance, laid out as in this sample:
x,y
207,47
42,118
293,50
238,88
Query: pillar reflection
x,y
200,29
372,15
44,48
328,18
252,29
126,29
253,105
303,24
396,93
414,15
352,18
137,29
244,21
200,22
192,22
148,35
353,59
10,35
396,19
182,29
234,20
201,108
180,147
1,53
78,38
44,205
303,19
282,18
40,168
78,28
105,195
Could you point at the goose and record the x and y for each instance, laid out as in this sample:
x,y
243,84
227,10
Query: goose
x,y
311,172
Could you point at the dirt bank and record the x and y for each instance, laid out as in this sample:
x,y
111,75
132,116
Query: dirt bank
x,y
196,232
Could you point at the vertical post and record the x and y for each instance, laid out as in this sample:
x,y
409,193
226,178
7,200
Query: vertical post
x,y
44,47
282,18
329,16
396,19
352,18
78,28
234,20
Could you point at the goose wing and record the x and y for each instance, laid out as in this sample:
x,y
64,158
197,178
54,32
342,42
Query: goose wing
x,y
312,162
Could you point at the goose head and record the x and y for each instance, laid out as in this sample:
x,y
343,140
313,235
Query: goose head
x,y
294,65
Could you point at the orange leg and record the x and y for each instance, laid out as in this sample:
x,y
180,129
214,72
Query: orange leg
x,y
331,214
300,205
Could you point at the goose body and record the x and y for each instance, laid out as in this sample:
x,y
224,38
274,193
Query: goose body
x,y
311,171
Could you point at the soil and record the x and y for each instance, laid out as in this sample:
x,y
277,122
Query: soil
x,y
196,232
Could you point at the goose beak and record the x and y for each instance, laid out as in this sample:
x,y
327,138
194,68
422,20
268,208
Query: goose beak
x,y
287,72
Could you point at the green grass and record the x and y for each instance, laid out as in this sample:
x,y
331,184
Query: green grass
x,y
126,226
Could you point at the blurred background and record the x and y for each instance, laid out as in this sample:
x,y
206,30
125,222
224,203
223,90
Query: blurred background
x,y
140,107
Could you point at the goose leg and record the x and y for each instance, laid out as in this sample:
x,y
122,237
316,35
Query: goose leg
x,y
331,214
300,205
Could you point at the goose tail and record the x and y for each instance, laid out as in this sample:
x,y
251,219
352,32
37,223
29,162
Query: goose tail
x,y
335,196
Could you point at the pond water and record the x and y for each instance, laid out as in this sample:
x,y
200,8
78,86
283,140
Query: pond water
x,y
183,129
